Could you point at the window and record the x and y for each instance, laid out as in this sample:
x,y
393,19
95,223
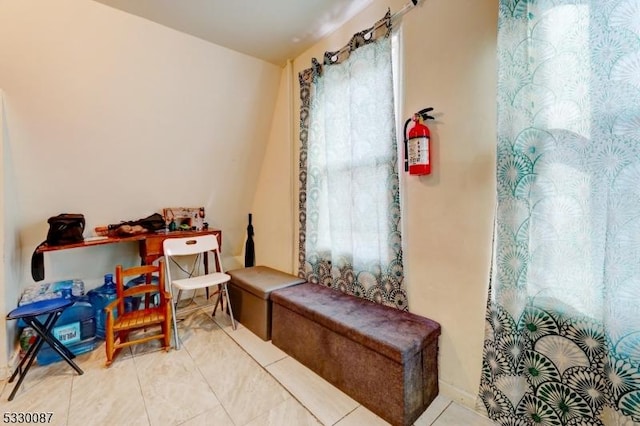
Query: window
x,y
350,202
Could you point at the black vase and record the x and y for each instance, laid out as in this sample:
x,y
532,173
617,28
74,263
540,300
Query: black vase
x,y
249,249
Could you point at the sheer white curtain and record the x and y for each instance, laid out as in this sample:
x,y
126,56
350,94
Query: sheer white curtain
x,y
350,236
562,341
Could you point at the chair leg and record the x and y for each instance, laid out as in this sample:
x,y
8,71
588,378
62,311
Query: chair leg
x,y
218,302
166,330
226,294
109,348
23,373
174,307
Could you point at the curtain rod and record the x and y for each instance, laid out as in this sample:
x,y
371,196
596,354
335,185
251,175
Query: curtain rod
x,y
399,14
394,18
407,7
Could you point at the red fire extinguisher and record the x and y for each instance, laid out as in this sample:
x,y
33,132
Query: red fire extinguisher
x,y
417,144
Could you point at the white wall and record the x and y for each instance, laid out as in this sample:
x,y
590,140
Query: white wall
x,y
9,242
449,54
272,204
116,117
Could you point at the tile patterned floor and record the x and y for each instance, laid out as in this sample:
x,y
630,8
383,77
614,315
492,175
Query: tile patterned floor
x,y
218,377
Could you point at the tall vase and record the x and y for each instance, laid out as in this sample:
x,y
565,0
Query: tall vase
x,y
249,252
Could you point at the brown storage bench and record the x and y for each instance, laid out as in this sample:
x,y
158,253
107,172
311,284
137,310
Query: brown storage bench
x,y
384,358
249,291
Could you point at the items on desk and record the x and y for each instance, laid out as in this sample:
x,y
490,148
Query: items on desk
x,y
184,218
65,228
152,223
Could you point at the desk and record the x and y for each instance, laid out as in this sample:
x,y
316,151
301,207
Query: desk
x,y
150,243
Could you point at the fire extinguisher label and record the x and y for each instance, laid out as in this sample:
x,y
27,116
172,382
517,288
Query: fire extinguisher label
x,y
419,151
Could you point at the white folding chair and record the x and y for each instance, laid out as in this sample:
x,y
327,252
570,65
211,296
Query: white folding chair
x,y
175,248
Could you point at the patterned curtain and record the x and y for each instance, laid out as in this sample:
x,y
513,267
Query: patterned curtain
x,y
562,343
349,187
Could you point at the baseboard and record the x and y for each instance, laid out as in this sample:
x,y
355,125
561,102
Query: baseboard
x,y
457,395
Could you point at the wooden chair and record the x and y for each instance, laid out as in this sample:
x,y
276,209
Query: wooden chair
x,y
119,324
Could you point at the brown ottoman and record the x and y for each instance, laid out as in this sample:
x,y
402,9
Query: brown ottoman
x,y
250,290
384,358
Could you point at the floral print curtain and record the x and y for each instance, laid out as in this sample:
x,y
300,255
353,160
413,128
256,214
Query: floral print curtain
x,y
562,340
349,187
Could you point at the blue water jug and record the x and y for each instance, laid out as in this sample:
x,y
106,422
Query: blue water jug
x,y
76,329
100,297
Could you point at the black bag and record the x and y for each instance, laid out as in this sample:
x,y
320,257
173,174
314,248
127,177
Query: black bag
x,y
66,228
152,223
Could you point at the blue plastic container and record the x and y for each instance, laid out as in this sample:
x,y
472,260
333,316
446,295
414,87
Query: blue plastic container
x,y
100,298
76,329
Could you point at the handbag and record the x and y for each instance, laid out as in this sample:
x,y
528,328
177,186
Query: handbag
x,y
65,228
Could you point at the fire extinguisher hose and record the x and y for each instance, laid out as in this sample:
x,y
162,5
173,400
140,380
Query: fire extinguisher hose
x,y
406,146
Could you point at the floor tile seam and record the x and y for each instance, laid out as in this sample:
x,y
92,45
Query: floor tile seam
x,y
264,367
197,366
273,362
441,413
291,395
73,379
77,377
346,415
144,400
268,373
204,380
252,357
299,402
225,329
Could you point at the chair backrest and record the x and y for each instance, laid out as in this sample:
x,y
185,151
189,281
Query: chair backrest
x,y
190,246
148,270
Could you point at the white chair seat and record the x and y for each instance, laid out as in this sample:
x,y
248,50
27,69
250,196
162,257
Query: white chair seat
x,y
202,281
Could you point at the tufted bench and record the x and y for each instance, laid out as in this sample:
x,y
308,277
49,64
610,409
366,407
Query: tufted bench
x,y
384,358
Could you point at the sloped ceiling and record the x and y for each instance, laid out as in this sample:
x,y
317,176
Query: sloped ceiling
x,y
273,30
